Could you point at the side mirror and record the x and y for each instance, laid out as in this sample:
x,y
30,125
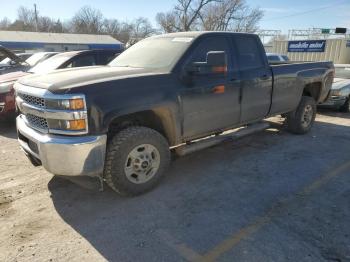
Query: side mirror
x,y
216,63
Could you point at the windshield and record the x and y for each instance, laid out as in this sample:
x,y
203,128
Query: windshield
x,y
50,64
154,53
5,61
273,58
342,72
286,58
34,59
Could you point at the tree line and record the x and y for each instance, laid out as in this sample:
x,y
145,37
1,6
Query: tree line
x,y
186,15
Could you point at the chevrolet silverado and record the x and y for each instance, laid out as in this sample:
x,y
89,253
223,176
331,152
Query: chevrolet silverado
x,y
169,92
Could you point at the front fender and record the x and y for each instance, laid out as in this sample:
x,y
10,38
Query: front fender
x,y
167,114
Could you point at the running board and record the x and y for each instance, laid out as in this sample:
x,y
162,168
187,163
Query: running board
x,y
212,141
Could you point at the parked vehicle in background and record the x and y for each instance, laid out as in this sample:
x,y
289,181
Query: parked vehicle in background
x,y
273,57
118,122
7,61
19,63
59,61
339,97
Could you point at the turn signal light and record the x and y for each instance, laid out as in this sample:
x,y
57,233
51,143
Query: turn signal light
x,y
76,124
219,69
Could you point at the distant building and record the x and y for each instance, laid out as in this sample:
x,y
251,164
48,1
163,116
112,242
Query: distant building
x,y
25,41
336,50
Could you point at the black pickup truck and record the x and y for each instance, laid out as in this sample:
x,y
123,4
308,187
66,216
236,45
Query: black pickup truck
x,y
120,122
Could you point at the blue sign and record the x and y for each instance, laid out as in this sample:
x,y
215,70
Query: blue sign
x,y
307,46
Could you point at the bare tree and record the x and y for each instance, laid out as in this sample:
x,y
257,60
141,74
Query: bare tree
x,y
119,30
215,15
5,23
25,20
45,24
142,28
249,20
184,16
125,31
87,21
58,27
220,16
168,22
26,15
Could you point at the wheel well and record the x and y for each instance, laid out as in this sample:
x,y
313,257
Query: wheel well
x,y
144,118
313,90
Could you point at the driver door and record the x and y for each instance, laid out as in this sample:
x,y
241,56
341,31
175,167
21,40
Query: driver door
x,y
210,102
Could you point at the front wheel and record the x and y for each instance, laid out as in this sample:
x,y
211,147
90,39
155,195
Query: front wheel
x,y
301,120
136,160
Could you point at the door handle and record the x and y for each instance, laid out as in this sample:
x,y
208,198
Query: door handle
x,y
234,80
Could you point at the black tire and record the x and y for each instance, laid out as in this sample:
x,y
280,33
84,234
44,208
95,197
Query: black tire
x,y
300,122
346,107
118,150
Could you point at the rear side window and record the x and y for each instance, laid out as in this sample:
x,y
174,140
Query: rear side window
x,y
248,52
86,60
105,58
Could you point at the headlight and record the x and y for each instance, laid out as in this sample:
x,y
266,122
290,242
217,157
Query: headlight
x,y
66,104
68,125
336,93
6,87
69,115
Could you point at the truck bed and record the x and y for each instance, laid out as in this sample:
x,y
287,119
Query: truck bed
x,y
294,76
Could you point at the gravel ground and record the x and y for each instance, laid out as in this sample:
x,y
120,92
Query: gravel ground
x,y
272,196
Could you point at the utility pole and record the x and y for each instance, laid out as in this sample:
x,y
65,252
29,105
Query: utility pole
x,y
36,17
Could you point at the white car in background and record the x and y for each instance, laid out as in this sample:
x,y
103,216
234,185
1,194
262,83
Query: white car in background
x,y
13,62
339,97
273,57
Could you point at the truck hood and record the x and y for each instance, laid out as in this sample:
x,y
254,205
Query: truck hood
x,y
339,83
14,76
70,78
11,55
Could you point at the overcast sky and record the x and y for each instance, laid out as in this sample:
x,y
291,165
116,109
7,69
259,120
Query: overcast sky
x,y
279,14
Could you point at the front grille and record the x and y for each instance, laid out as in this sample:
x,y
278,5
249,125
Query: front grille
x,y
32,100
37,122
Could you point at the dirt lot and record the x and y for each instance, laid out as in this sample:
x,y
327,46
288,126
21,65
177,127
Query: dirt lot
x,y
268,197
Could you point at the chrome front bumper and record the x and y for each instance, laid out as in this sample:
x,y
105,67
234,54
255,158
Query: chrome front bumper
x,y
63,155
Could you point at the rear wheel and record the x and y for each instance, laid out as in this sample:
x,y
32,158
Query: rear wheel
x,y
136,160
301,120
346,107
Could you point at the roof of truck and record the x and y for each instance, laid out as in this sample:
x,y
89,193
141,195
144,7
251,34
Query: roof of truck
x,y
195,34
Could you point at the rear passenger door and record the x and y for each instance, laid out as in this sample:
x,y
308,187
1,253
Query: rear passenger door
x,y
255,77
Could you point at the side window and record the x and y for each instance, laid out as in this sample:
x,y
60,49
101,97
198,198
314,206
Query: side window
x,y
85,60
248,52
105,58
210,44
273,58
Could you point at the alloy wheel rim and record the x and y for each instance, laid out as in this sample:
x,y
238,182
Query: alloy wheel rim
x,y
142,163
307,116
